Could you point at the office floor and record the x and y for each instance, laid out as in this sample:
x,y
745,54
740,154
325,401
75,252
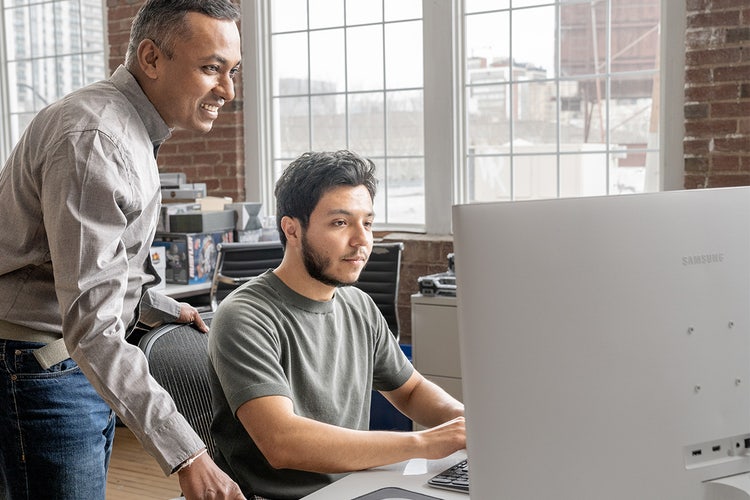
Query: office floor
x,y
134,474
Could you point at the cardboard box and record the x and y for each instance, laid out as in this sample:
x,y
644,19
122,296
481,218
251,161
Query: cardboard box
x,y
209,203
191,257
201,222
159,261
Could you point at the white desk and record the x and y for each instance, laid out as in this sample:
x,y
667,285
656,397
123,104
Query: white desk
x,y
361,483
182,291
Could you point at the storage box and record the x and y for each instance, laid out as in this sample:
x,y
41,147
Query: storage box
x,y
183,193
201,222
159,261
212,203
172,179
248,215
174,208
191,257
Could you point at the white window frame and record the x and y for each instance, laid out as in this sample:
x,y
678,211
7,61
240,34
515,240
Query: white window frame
x,y
5,141
443,114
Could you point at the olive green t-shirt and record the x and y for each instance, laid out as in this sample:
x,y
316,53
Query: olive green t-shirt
x,y
326,357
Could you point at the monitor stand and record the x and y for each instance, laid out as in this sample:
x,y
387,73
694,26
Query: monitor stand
x,y
735,487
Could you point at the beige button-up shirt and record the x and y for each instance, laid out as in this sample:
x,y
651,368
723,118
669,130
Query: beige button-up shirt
x,y
79,202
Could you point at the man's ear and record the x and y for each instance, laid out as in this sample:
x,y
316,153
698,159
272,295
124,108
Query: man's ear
x,y
148,55
292,229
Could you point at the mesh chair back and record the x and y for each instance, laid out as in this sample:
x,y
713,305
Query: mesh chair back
x,y
238,262
380,280
178,360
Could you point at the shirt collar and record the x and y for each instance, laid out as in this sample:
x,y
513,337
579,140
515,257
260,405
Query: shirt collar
x,y
126,83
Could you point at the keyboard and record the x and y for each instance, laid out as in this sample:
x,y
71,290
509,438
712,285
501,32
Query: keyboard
x,y
455,478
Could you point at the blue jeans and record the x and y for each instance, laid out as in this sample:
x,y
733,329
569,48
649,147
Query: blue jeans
x,y
55,431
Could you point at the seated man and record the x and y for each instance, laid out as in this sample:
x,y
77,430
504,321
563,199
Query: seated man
x,y
296,352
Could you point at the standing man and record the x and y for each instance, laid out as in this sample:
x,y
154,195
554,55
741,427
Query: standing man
x,y
297,351
79,202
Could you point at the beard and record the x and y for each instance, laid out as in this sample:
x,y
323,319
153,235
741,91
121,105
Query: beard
x,y
317,265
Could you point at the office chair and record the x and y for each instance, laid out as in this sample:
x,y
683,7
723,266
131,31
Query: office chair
x,y
236,263
380,280
177,357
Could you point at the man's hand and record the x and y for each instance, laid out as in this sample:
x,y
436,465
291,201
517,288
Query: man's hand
x,y
444,439
203,479
189,314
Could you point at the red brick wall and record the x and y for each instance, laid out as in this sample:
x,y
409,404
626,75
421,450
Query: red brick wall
x,y
717,93
216,158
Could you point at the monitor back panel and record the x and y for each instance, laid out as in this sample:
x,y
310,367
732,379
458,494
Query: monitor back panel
x,y
605,344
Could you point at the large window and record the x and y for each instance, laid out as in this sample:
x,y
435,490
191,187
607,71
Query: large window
x,y
560,98
520,99
347,74
49,49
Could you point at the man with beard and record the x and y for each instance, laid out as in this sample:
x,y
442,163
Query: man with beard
x,y
297,351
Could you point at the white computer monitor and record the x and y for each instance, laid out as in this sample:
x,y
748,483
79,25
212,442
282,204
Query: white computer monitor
x,y
605,346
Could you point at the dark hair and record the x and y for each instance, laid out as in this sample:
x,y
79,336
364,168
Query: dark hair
x,y
310,176
163,22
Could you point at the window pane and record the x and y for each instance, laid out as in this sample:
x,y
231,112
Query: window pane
x,y
488,40
291,123
93,65
290,72
583,174
379,204
405,123
488,178
64,81
19,122
364,11
583,111
364,58
328,122
403,55
367,123
325,13
633,115
487,119
530,3
289,15
485,5
534,43
534,176
21,90
405,188
582,47
327,59
18,23
535,115
396,10
635,35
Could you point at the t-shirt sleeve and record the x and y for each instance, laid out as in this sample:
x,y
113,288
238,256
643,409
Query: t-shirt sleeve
x,y
245,354
391,366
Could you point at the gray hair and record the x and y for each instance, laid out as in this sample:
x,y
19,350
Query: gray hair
x,y
163,22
